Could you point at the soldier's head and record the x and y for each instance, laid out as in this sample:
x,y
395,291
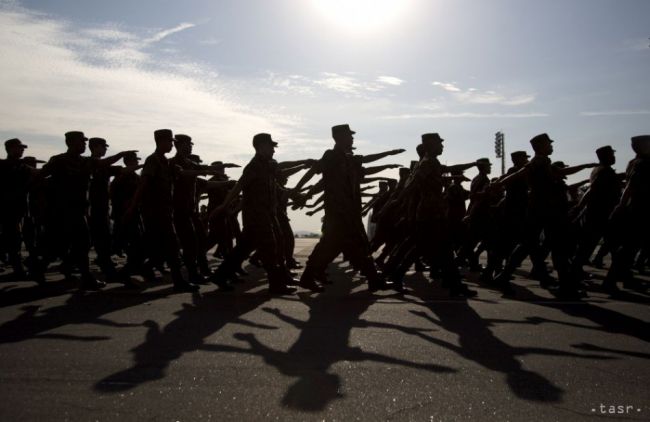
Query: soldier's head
x,y
558,166
606,155
484,165
183,145
15,148
343,136
98,147
432,144
542,144
131,159
383,186
264,145
164,140
641,145
392,184
32,161
519,158
76,142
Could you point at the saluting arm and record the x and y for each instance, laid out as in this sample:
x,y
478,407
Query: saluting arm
x,y
377,169
572,170
374,157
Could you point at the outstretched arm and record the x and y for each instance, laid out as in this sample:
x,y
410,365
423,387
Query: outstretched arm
x,y
377,169
572,170
374,157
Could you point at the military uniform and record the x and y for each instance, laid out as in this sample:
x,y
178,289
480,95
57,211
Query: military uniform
x,y
68,230
343,229
261,230
15,178
157,212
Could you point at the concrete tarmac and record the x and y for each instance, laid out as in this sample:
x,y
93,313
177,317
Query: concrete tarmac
x,y
344,354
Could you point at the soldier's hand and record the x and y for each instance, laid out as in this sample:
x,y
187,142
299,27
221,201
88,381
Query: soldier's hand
x,y
397,151
230,165
394,166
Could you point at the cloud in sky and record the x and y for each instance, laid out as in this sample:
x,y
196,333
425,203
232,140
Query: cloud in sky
x,y
464,115
104,81
390,80
475,96
614,113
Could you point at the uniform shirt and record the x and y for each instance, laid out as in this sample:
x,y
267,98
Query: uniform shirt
x,y
516,193
98,190
605,191
639,183
478,203
259,192
70,175
428,176
548,194
342,175
456,197
15,177
159,177
122,191
184,197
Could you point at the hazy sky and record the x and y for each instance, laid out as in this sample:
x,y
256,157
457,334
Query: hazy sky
x,y
222,71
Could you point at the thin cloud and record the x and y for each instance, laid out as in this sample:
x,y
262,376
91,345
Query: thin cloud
x,y
390,80
614,113
159,36
447,86
476,96
466,115
58,77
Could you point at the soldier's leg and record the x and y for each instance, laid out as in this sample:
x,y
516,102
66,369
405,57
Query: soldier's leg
x,y
188,243
100,234
327,248
12,243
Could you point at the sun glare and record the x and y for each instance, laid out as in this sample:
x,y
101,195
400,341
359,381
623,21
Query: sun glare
x,y
361,15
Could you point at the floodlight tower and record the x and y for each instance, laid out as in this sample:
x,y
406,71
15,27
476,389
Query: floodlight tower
x,y
500,149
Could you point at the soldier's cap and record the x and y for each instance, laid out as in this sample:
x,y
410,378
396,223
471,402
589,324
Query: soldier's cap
x,y
519,154
92,142
14,142
263,138
181,139
431,137
32,160
559,164
605,151
75,135
483,161
163,135
540,139
130,155
195,158
343,129
223,165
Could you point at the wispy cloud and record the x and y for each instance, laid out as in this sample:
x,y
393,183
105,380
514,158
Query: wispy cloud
x,y
349,83
614,113
390,80
447,86
104,81
476,96
464,115
160,35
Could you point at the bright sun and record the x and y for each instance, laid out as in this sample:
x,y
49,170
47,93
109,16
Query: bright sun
x,y
361,15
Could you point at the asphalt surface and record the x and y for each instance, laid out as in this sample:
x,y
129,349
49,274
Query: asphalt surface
x,y
344,354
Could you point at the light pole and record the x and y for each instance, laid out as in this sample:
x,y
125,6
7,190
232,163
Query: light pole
x,y
500,149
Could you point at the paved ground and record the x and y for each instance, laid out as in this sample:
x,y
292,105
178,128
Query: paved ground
x,y
340,355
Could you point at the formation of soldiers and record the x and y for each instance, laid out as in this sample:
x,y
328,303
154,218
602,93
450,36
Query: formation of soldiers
x,y
149,213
